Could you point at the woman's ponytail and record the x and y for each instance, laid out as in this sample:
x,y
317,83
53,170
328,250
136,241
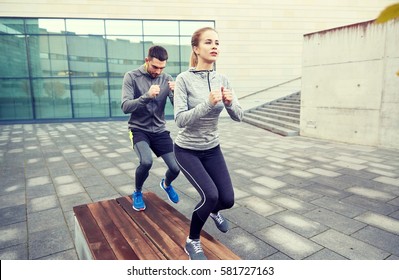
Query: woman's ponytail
x,y
193,59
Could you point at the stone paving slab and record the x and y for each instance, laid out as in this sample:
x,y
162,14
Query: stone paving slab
x,y
349,247
296,197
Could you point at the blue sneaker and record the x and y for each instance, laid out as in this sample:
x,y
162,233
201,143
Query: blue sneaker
x,y
138,202
172,195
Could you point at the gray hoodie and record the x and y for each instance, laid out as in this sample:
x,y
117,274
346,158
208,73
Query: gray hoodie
x,y
196,117
146,113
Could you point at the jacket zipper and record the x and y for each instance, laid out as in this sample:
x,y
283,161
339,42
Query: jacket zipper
x,y
209,83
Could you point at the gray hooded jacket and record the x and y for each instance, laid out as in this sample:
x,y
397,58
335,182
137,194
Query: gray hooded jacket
x,y
194,114
146,113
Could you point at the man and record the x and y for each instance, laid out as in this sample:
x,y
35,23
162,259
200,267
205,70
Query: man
x,y
144,94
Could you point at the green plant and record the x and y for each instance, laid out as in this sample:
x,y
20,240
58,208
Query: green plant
x,y
390,12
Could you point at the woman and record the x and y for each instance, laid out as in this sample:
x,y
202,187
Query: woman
x,y
200,96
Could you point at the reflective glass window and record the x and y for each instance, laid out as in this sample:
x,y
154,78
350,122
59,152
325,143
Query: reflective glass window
x,y
115,87
11,26
87,56
52,98
15,99
45,26
90,97
168,110
85,26
185,52
13,58
124,54
124,27
158,27
48,56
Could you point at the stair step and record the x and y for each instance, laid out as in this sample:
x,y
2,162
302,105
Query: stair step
x,y
273,121
290,101
270,127
275,111
279,107
278,116
286,104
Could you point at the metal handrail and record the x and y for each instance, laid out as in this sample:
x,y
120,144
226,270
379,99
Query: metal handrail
x,y
266,89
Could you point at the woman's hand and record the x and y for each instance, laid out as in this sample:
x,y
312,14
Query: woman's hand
x,y
227,96
215,96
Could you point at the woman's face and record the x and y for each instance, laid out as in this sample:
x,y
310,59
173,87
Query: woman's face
x,y
208,47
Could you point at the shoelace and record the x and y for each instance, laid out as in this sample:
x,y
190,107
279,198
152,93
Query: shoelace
x,y
218,218
197,246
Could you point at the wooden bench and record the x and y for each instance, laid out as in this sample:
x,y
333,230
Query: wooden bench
x,y
112,230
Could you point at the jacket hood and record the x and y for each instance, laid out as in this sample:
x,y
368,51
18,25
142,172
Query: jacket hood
x,y
144,71
203,73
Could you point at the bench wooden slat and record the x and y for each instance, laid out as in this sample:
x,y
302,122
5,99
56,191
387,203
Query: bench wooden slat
x,y
95,238
137,240
161,239
175,222
111,229
111,232
212,247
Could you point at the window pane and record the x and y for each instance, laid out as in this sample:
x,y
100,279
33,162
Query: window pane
x,y
189,27
90,98
185,52
124,27
48,56
52,98
87,56
85,26
161,27
116,93
45,26
11,26
13,59
169,110
171,44
124,54
15,99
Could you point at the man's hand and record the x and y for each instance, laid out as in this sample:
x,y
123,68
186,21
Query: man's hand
x,y
154,91
171,85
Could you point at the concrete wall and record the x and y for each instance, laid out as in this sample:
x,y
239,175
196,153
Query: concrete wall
x,y
350,90
261,40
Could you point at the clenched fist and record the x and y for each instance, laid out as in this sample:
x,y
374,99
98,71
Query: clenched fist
x,y
227,96
154,91
171,85
215,96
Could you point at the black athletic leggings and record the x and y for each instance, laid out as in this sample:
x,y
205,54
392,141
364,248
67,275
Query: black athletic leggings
x,y
207,172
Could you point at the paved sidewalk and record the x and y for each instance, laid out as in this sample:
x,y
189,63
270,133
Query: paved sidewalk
x,y
296,198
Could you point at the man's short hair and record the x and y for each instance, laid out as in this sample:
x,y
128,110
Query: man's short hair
x,y
158,52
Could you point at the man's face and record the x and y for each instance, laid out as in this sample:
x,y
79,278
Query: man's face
x,y
155,66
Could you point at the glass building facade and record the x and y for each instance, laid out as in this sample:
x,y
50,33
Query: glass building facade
x,y
72,69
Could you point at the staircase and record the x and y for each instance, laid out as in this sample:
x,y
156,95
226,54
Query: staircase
x,y
280,116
